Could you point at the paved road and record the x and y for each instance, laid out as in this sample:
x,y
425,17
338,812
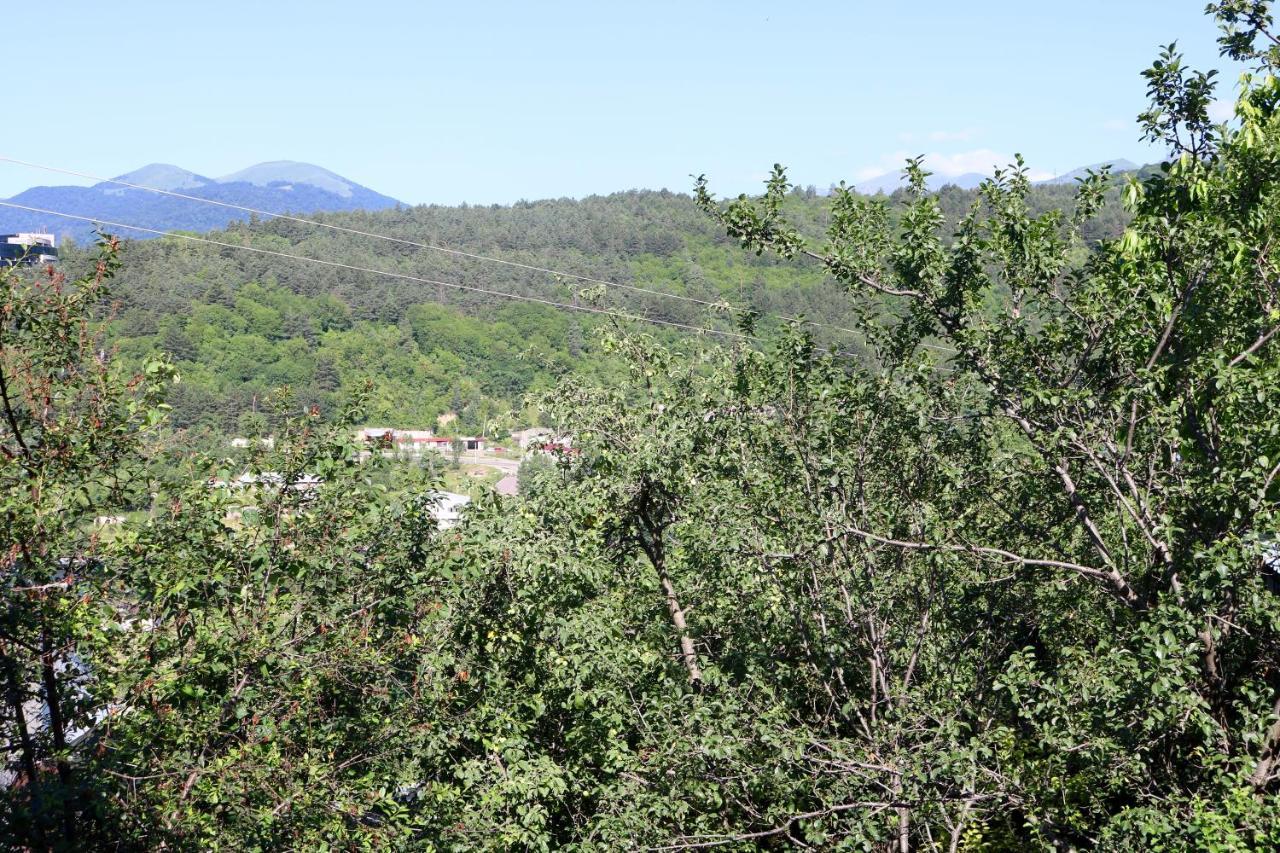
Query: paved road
x,y
505,464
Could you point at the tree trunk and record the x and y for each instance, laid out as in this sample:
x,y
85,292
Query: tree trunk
x,y
15,695
651,542
1262,772
57,728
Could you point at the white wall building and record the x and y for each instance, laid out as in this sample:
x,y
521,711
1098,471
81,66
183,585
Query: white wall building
x,y
447,510
27,248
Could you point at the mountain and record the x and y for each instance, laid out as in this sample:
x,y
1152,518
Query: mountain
x,y
287,172
1117,166
282,186
159,176
890,181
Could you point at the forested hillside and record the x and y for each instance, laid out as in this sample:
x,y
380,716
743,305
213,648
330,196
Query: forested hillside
x,y
239,324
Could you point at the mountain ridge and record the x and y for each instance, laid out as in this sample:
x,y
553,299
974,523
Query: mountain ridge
x,y
278,186
888,182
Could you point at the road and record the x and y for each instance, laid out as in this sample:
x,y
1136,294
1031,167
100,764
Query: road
x,y
505,464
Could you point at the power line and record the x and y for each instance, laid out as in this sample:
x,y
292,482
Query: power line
x,y
389,273
430,246
406,277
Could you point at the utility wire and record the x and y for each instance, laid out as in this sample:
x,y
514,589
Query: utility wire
x,y
405,276
404,242
421,280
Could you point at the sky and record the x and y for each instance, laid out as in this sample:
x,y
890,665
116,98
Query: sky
x,y
496,102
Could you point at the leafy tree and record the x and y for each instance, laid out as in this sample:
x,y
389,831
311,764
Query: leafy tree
x,y
70,426
253,424
177,345
242,666
1123,405
1004,580
536,470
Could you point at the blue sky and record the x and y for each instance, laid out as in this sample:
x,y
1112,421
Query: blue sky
x,y
495,102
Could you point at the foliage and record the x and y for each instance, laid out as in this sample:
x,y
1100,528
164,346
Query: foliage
x,y
68,456
537,471
1004,580
240,324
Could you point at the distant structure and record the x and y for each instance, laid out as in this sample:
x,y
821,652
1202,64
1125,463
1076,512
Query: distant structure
x,y
27,249
532,436
447,508
414,442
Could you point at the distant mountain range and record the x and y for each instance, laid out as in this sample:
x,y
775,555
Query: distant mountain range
x,y
1117,166
891,181
279,186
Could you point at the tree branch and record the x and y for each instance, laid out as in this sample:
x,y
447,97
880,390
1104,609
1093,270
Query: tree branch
x,y
870,282
1008,556
1254,347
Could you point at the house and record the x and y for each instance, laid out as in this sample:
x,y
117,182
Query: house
x,y
381,437
443,444
508,485
390,440
447,508
560,446
415,442
300,483
531,436
27,249
239,442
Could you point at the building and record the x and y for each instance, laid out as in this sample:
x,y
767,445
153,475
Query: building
x,y
447,508
531,436
443,444
27,249
391,441
240,442
414,442
268,479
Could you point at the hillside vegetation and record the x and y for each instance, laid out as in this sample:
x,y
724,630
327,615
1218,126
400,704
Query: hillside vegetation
x,y
238,324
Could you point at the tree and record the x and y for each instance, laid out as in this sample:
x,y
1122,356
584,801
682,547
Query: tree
x,y
272,662
177,345
1007,583
69,432
253,424
1010,585
327,377
534,472
1123,403
242,666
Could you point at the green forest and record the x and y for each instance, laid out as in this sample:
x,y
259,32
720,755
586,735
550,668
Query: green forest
x,y
238,325
992,566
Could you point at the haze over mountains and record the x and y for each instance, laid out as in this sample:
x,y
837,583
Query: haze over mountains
x,y
890,181
278,186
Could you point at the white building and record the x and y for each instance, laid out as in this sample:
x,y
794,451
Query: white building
x,y
532,436
389,441
447,508
27,249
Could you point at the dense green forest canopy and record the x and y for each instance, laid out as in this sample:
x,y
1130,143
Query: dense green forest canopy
x,y
239,324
